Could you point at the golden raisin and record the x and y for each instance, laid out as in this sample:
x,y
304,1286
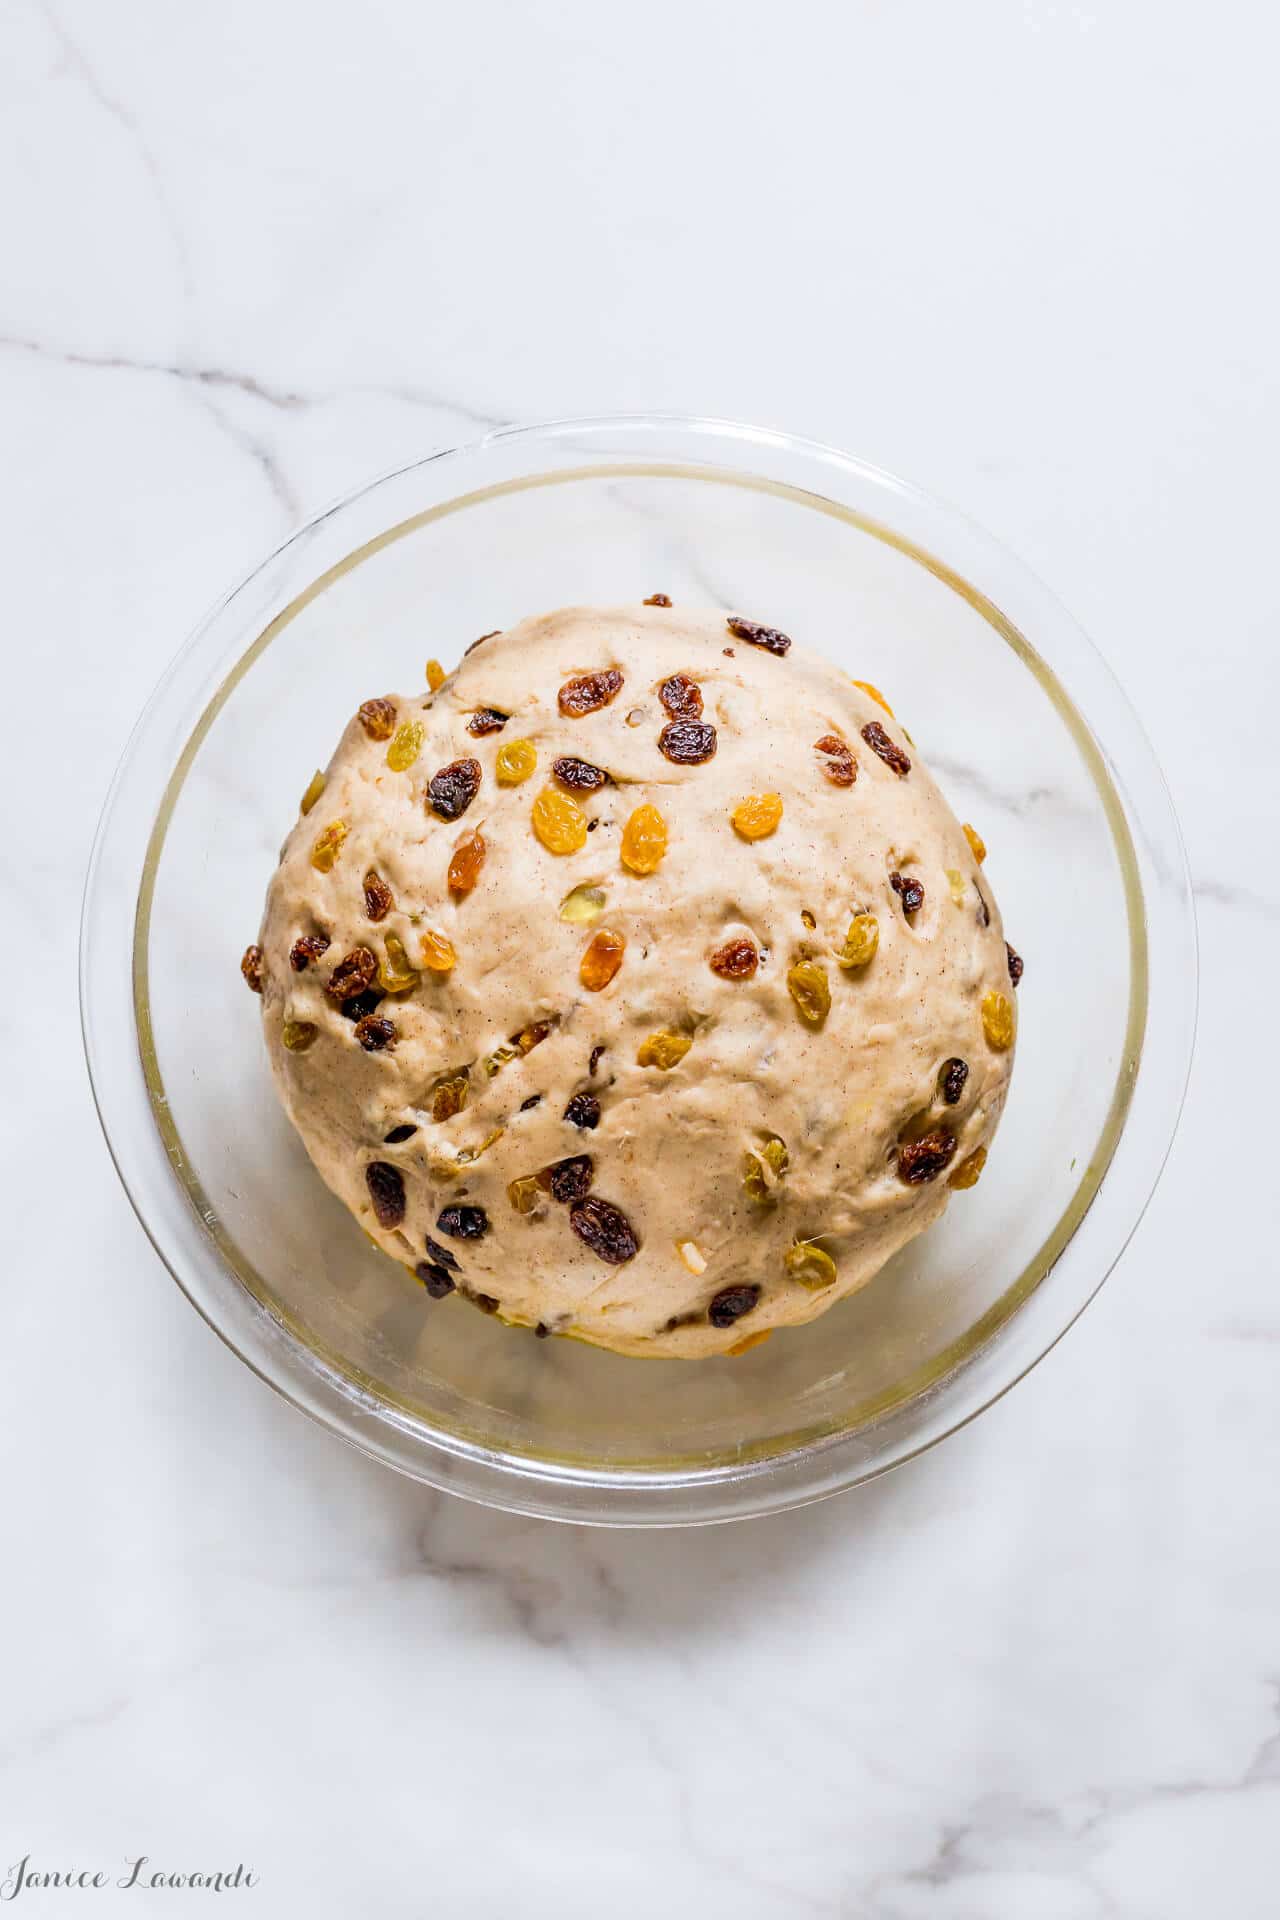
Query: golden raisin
x,y
969,1172
757,817
329,845
582,905
524,1193
437,952
810,1265
861,941
644,840
955,885
875,694
763,1172
395,975
449,1096
251,968
664,1049
315,787
559,822
601,960
534,1034
807,984
515,762
977,845
752,1340
468,858
436,675
378,718
298,1035
378,897
997,1020
406,746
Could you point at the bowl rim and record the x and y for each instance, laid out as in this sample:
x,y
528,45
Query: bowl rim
x,y
786,1478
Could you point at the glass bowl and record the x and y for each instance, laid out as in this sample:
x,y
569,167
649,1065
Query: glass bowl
x,y
1009,705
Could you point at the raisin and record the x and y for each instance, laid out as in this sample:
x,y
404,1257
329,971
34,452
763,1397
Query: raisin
x,y
767,637
682,697
735,960
440,1255
542,1331
579,775
315,787
437,952
663,1049
395,975
406,745
997,1021
1015,964
533,1035
658,600
353,974
955,883
757,816
597,1054
808,986
451,791
559,822
436,675
644,840
889,750
437,1282
687,743
398,1134
875,694
298,1035
860,943
487,720
524,1193
808,919
977,845
251,968
568,1180
951,1078
588,692
449,1096
605,1229
810,1265
911,892
515,762
361,1003
601,960
924,1159
969,1172
378,718
582,905
467,860
378,897
731,1303
583,1111
375,1034
764,1172
836,760
386,1190
534,1100
485,1301
328,846
463,1223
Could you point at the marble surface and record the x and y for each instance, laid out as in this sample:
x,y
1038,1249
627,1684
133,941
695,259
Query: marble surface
x,y
1019,252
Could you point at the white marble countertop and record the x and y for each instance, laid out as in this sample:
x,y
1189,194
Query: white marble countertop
x,y
1021,253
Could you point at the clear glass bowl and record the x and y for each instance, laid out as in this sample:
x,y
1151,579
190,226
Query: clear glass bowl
x,y
1010,706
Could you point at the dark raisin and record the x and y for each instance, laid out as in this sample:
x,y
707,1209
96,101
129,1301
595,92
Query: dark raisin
x,y
441,1255
251,968
533,1101
923,1159
375,1034
605,1229
589,692
378,897
951,1078
592,825
437,1282
583,1111
361,1003
1015,964
682,697
386,1190
579,775
910,891
735,960
485,1302
729,653
542,1331
597,1054
463,1223
837,762
731,1303
687,742
397,1134
889,750
767,637
354,973
658,600
378,718
568,1180
451,791
306,948
487,720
